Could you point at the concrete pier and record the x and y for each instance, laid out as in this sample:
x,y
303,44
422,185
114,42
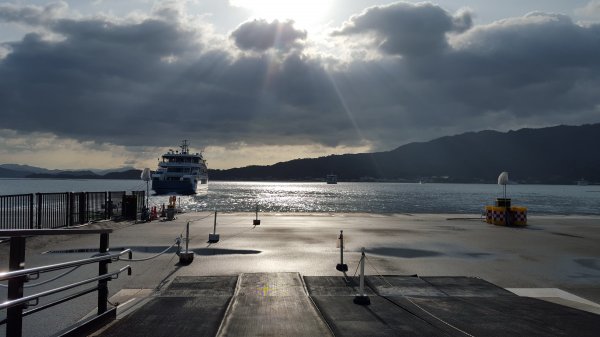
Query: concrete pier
x,y
556,259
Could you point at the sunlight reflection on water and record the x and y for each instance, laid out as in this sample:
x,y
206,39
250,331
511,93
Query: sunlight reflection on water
x,y
387,198
343,197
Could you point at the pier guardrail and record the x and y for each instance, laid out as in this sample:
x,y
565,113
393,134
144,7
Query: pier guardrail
x,y
56,210
17,276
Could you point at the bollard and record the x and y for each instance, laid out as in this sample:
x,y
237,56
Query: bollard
x,y
341,266
187,257
362,298
256,222
214,237
170,213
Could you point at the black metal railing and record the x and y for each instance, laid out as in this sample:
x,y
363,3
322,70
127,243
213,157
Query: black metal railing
x,y
17,210
96,206
17,276
52,210
56,210
141,199
115,203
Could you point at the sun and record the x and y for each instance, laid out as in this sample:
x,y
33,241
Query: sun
x,y
305,13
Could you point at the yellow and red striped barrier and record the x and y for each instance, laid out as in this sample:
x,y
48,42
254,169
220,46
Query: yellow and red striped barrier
x,y
496,215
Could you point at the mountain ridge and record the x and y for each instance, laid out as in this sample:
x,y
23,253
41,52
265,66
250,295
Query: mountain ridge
x,y
555,155
552,155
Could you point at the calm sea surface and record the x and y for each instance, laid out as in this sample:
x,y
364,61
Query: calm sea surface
x,y
344,197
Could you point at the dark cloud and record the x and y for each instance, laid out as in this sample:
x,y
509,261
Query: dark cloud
x,y
154,81
260,35
406,29
31,15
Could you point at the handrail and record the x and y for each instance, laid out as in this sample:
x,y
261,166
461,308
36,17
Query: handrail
x,y
51,304
40,232
44,269
26,299
18,275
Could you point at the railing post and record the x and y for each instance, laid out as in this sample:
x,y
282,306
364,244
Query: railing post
x,y
31,211
39,210
67,201
71,202
87,207
14,324
81,206
106,217
109,206
103,270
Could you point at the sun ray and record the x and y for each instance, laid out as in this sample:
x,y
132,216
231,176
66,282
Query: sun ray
x,y
305,13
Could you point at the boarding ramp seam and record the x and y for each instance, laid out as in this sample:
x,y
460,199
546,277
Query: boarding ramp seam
x,y
230,305
315,306
415,304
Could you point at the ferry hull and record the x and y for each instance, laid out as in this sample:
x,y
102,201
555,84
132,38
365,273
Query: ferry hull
x,y
177,187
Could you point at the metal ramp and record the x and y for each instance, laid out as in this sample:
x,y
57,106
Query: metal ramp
x,y
285,304
190,306
272,304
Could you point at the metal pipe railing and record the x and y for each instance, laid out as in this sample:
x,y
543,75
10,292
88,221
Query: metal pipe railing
x,y
17,275
53,267
23,300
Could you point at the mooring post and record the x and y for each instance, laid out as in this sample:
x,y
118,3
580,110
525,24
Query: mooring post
x,y
362,298
14,318
103,270
214,237
256,222
341,266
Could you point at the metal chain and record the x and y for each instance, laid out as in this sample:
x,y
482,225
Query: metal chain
x,y
417,305
151,257
357,265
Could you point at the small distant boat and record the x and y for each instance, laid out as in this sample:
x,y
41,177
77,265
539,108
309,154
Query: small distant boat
x,y
582,182
180,172
331,179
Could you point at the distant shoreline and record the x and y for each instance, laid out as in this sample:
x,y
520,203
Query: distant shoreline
x,y
389,181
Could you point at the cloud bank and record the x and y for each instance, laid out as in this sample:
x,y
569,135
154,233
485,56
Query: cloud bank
x,y
407,29
260,35
152,80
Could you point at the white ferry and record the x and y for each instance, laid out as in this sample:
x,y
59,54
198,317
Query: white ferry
x,y
180,172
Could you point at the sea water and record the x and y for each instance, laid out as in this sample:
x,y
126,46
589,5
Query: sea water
x,y
343,197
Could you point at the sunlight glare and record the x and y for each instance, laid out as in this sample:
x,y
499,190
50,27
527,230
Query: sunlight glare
x,y
305,13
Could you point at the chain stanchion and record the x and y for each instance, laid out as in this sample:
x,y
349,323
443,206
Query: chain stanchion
x,y
214,237
256,221
362,298
341,266
186,257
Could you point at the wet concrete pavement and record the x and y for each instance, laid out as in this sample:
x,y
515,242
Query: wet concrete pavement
x,y
552,252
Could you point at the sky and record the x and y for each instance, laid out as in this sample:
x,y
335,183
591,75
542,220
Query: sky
x,y
109,83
